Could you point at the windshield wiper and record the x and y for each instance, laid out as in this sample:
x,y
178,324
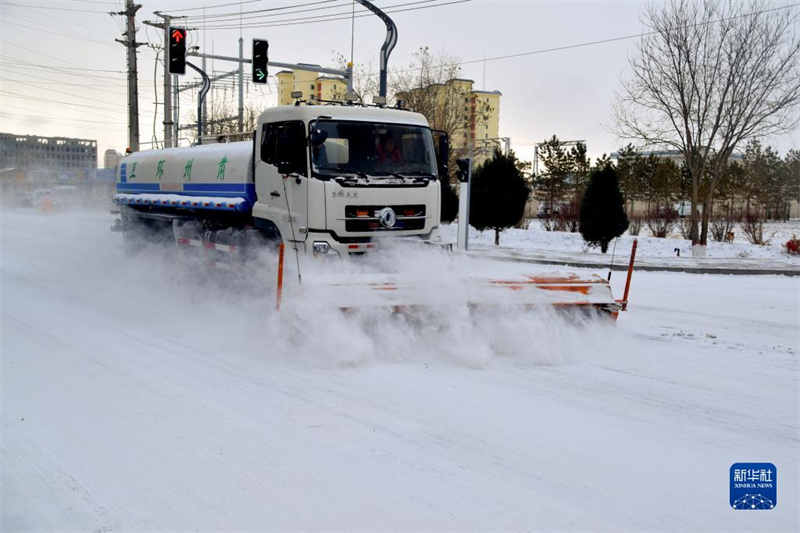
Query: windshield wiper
x,y
352,176
418,175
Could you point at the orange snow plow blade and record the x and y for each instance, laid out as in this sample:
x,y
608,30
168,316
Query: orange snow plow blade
x,y
563,291
589,293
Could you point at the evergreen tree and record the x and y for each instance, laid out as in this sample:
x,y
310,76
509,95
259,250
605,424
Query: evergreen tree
x,y
552,185
499,193
791,171
628,165
602,209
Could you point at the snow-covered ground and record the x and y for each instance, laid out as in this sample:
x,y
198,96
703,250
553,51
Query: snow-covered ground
x,y
137,394
536,238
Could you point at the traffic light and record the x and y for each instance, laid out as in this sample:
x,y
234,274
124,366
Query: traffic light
x,y
260,60
463,170
177,50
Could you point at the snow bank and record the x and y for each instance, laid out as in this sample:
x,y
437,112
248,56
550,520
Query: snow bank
x,y
536,238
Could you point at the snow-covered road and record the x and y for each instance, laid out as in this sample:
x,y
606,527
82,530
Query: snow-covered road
x,y
135,397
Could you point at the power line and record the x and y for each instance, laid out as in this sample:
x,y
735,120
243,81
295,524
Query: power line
x,y
591,43
93,99
39,22
335,16
15,45
48,81
220,5
60,34
96,124
318,2
314,9
22,62
25,71
615,39
55,8
348,14
57,102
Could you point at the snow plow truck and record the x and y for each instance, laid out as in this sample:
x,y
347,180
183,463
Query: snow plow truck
x,y
325,180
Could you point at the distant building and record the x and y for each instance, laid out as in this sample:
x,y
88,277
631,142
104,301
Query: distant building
x,y
310,84
483,129
481,116
45,159
111,158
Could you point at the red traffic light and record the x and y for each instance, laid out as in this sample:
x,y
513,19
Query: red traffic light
x,y
177,50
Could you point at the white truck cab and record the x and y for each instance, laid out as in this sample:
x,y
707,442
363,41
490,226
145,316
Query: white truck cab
x,y
333,178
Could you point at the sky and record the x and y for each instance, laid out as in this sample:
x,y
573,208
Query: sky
x,y
62,73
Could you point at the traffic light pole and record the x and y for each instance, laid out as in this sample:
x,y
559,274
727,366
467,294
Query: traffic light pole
x,y
167,87
168,118
241,84
346,73
388,44
201,100
464,190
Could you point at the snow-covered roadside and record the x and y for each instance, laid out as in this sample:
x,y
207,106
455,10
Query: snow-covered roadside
x,y
536,238
535,245
139,398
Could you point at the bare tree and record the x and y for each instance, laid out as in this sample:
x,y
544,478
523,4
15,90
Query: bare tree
x,y
431,86
217,123
708,76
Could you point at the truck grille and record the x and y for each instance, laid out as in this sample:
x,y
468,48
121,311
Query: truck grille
x,y
365,217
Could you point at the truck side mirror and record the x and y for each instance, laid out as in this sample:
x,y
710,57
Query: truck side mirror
x,y
318,137
443,154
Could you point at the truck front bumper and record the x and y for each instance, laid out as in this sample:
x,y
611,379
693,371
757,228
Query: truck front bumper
x,y
325,245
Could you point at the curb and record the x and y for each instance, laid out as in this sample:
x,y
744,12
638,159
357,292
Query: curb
x,y
649,268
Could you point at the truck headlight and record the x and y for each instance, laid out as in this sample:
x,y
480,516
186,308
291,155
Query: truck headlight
x,y
322,248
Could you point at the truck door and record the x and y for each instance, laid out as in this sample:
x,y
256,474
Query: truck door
x,y
281,177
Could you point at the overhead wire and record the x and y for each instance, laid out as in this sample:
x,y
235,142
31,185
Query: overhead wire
x,y
50,8
60,33
621,38
24,69
48,81
57,102
330,17
203,7
91,98
101,117
61,21
267,10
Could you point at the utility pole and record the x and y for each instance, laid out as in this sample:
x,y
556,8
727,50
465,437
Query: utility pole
x,y
241,84
168,119
133,85
167,86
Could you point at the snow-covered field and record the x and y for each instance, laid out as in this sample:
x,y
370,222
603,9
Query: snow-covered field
x,y
536,238
139,395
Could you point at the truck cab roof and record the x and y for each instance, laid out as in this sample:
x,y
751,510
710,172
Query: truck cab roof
x,y
341,112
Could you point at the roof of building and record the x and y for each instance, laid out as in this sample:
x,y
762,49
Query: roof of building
x,y
498,93
41,138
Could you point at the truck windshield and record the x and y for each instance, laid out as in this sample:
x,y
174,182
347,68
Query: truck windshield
x,y
373,149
